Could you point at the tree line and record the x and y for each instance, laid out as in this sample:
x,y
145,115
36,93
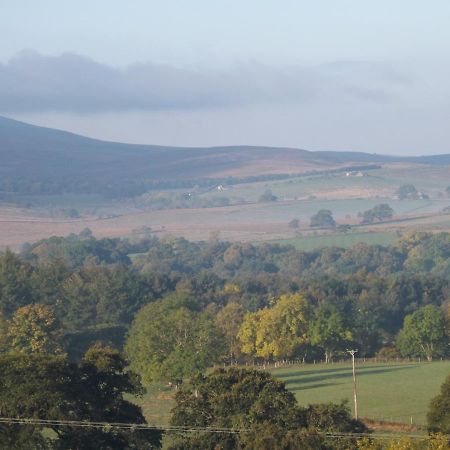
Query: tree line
x,y
370,296
98,315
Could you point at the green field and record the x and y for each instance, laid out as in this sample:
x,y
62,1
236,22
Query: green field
x,y
389,392
308,243
385,181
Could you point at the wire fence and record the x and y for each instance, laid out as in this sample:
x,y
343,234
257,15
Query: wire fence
x,y
413,419
269,365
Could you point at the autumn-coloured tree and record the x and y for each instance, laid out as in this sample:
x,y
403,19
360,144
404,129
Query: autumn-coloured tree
x,y
34,329
276,332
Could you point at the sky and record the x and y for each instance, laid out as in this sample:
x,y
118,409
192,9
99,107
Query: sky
x,y
323,75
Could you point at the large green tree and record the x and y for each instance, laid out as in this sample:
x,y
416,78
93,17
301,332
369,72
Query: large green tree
x,y
407,192
261,406
323,219
235,398
103,295
328,331
15,287
169,339
424,333
378,213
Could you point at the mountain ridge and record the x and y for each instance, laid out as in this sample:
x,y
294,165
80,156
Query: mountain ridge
x,y
34,154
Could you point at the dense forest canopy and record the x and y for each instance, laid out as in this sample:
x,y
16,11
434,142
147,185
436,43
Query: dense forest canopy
x,y
96,288
174,308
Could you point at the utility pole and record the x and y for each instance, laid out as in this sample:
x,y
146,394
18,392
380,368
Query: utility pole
x,y
355,397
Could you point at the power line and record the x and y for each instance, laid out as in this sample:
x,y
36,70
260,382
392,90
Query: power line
x,y
116,425
188,429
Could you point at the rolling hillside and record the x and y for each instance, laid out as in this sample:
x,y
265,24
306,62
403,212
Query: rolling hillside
x,y
42,160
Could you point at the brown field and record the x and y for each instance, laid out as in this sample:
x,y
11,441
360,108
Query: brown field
x,y
250,222
19,226
247,220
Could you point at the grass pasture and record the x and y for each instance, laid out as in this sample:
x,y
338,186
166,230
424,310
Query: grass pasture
x,y
392,392
308,243
157,403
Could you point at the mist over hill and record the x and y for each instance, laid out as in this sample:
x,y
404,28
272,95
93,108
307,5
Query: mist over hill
x,y
38,160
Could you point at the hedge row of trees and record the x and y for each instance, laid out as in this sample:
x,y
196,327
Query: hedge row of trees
x,y
173,338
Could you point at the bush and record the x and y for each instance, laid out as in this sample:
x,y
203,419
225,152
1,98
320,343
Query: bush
x,y
294,223
267,196
387,353
439,411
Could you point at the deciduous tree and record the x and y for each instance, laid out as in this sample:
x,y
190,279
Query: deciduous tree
x,y
51,388
277,332
378,213
169,340
328,331
261,406
439,410
34,329
424,333
323,219
15,288
229,320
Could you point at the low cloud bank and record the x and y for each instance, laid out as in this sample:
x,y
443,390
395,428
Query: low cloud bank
x,y
31,82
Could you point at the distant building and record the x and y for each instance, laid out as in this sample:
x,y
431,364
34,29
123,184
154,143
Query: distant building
x,y
422,196
355,174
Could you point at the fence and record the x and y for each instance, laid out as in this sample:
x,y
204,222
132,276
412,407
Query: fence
x,y
269,365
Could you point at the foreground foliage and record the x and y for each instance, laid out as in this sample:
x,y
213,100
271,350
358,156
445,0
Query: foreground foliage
x,y
51,388
439,412
262,411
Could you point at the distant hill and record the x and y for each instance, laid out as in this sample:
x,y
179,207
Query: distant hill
x,y
43,160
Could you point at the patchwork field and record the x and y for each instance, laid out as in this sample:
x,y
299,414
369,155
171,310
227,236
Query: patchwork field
x,y
247,218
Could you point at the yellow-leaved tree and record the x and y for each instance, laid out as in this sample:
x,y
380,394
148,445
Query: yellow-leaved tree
x,y
277,332
34,329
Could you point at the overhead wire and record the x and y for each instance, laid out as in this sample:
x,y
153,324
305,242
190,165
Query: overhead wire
x,y
186,429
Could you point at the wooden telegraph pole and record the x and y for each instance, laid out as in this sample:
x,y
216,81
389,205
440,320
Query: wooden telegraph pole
x,y
355,397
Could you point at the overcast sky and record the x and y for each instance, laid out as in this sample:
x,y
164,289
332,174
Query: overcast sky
x,y
347,74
